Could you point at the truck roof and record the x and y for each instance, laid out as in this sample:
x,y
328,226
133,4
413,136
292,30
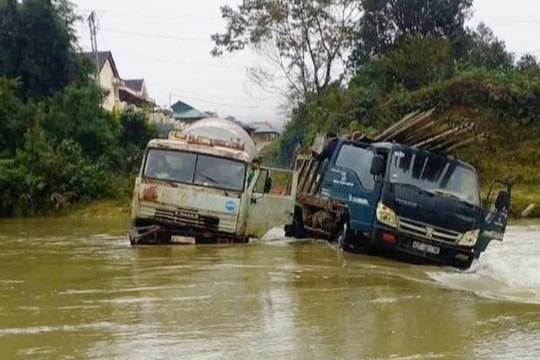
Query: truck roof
x,y
223,130
214,150
391,146
386,145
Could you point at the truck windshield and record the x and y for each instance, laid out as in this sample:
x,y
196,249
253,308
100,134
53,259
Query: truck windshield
x,y
192,168
435,174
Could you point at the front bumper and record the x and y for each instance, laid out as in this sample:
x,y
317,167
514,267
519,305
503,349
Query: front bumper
x,y
390,239
145,232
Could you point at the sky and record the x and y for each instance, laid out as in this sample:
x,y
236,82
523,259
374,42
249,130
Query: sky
x,y
167,42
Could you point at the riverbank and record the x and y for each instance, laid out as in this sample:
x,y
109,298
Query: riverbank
x,y
100,209
113,209
521,199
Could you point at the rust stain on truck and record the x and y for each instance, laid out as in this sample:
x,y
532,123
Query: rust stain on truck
x,y
150,194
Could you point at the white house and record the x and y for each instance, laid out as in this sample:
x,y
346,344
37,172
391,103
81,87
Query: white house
x,y
109,79
119,93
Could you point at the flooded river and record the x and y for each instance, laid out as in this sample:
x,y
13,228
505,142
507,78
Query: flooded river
x,y
75,289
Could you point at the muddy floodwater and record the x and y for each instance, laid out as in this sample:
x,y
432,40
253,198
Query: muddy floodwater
x,y
75,289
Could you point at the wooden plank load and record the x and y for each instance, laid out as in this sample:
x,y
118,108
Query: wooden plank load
x,y
425,130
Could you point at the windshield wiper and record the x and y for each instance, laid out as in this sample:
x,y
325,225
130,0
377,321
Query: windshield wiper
x,y
447,194
214,181
416,188
452,196
208,178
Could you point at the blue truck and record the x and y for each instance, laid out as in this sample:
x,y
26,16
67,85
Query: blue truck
x,y
399,201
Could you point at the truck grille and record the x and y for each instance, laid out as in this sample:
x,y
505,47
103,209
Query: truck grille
x,y
426,231
187,218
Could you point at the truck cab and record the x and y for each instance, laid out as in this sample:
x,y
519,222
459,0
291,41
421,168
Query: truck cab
x,y
194,189
404,201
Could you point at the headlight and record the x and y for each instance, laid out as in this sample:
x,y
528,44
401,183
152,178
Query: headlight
x,y
386,215
469,238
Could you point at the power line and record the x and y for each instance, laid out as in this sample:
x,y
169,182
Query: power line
x,y
176,17
174,61
157,35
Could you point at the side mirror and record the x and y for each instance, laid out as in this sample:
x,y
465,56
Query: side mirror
x,y
377,165
267,185
503,201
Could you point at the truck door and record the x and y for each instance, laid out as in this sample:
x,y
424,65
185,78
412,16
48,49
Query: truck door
x,y
495,220
272,196
349,180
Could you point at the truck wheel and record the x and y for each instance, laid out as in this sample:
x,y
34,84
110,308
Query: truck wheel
x,y
343,236
296,229
466,264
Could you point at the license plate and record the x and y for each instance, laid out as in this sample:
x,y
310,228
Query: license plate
x,y
177,239
426,247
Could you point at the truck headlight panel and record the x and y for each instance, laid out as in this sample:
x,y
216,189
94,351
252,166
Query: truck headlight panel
x,y
386,215
469,238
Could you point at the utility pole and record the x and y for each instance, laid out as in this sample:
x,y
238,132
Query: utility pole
x,y
93,40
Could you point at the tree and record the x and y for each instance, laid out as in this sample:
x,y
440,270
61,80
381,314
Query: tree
x,y
485,50
14,117
38,45
75,113
413,62
528,62
307,40
385,22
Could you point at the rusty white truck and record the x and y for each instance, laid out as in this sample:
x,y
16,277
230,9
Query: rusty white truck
x,y
193,188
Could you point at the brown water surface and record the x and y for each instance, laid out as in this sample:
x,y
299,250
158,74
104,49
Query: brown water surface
x,y
75,289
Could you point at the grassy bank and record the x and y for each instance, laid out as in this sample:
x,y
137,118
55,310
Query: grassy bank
x,y
101,209
523,196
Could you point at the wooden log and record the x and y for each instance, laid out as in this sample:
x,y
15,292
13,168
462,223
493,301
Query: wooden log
x,y
392,128
419,120
528,210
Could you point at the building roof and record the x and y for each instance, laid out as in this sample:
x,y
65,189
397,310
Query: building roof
x,y
244,126
265,127
133,91
134,84
182,111
103,56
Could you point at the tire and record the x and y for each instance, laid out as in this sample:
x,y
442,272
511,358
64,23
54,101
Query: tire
x,y
296,229
344,236
464,265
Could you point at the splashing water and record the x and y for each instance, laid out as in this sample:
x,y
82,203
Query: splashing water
x,y
507,270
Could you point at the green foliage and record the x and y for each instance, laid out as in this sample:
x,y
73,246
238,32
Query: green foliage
x,y
56,166
37,45
135,129
468,75
58,146
43,178
14,116
528,63
482,49
386,22
75,113
414,62
135,132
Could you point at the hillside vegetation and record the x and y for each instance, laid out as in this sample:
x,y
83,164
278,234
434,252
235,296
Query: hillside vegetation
x,y
505,103
466,76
